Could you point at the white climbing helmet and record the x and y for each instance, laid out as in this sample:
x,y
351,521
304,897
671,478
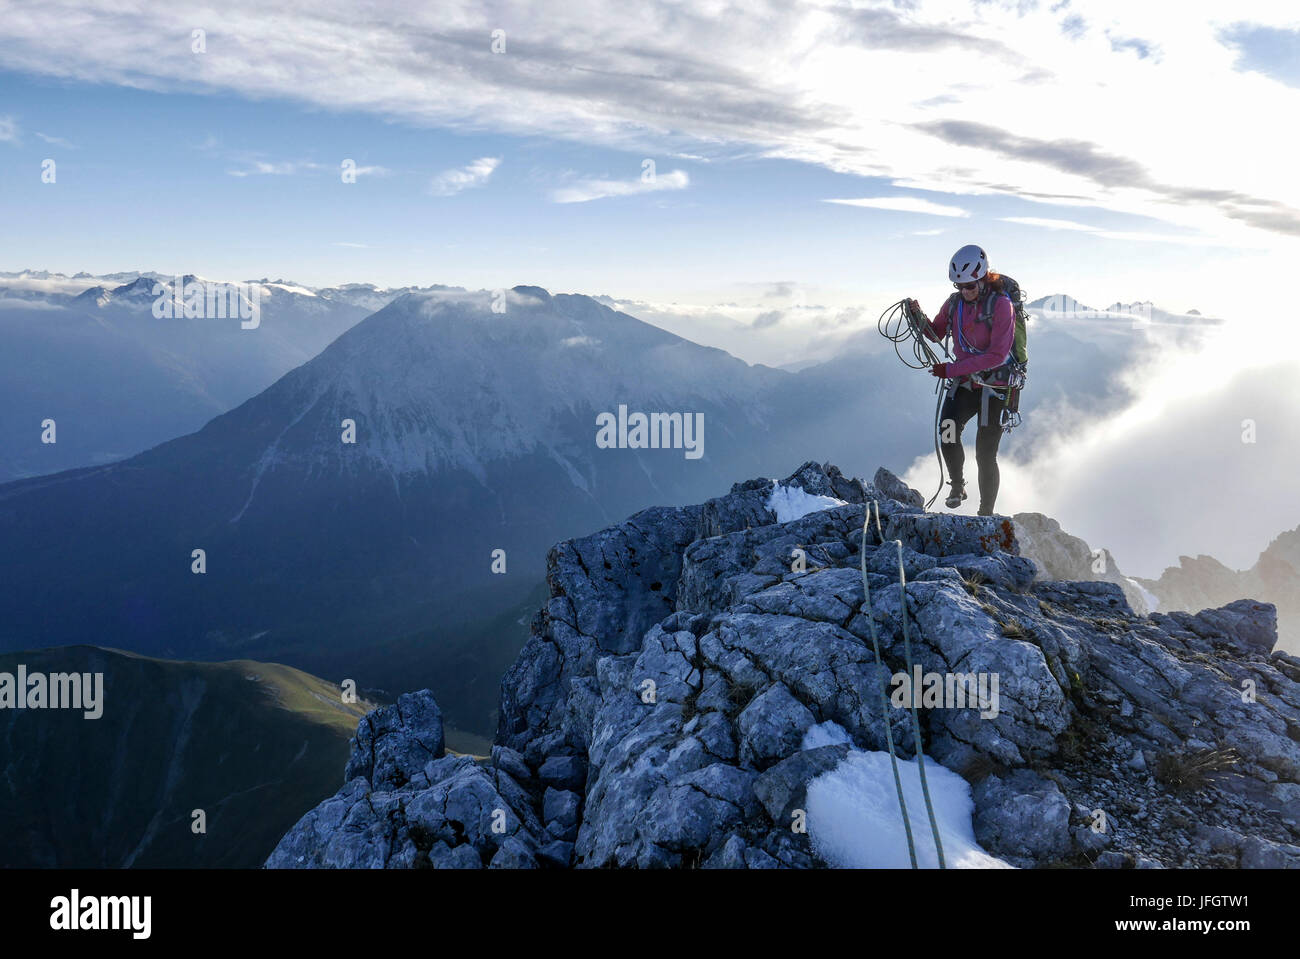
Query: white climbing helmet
x,y
968,263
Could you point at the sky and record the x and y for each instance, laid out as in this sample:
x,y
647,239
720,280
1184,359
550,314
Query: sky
x,y
748,175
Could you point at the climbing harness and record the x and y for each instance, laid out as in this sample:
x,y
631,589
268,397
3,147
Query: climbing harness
x,y
884,699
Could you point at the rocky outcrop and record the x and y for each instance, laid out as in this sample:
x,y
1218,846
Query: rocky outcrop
x,y
1196,583
1059,555
697,669
407,804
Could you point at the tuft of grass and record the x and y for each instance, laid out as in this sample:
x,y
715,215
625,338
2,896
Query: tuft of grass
x,y
1012,628
973,582
1187,771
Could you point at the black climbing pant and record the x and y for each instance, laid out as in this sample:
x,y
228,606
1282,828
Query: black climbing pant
x,y
960,405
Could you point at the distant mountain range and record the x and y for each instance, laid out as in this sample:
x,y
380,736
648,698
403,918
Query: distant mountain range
x,y
116,379
475,432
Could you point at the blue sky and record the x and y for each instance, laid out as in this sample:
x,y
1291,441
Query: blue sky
x,y
1111,151
228,186
1269,50
147,135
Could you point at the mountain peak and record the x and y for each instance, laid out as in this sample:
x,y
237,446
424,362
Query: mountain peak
x,y
141,286
534,291
1058,303
735,649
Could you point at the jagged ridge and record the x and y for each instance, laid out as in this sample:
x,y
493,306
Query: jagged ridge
x,y
1101,708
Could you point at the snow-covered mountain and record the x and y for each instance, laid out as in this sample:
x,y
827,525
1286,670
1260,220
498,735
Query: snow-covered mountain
x,y
1115,328
475,431
89,353
1057,303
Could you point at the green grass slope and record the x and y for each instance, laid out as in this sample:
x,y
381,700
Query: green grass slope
x,y
254,745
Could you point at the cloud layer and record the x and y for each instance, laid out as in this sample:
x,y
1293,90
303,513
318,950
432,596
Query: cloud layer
x,y
1118,106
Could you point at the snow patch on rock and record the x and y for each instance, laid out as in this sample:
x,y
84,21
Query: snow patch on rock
x,y
854,820
790,503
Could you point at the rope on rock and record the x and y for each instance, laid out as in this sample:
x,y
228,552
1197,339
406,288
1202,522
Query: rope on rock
x,y
880,684
916,722
884,699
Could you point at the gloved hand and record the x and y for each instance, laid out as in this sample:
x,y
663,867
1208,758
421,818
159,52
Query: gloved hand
x,y
926,326
940,370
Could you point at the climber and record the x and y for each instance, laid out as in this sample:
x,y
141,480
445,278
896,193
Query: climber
x,y
979,347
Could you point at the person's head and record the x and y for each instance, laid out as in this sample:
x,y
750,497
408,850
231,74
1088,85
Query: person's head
x,y
967,270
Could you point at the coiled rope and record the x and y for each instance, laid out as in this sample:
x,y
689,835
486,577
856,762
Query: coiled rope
x,y
884,699
900,324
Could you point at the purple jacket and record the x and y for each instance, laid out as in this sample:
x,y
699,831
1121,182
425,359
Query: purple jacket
x,y
979,346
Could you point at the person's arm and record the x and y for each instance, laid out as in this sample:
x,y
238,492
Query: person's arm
x,y
939,325
1004,334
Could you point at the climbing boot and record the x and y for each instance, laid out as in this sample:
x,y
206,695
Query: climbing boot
x,y
956,494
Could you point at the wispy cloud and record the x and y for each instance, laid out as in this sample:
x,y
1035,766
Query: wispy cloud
x,y
295,167
1189,239
586,190
355,246
282,168
57,141
905,204
451,182
1048,223
1112,171
1142,48
8,129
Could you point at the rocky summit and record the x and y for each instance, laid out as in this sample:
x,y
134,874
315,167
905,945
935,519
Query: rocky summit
x,y
701,673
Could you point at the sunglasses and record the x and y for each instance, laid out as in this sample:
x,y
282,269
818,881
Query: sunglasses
x,y
967,286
